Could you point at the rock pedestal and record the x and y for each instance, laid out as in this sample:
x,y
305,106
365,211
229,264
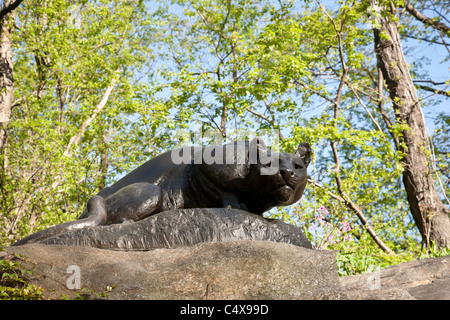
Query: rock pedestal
x,y
212,254
216,270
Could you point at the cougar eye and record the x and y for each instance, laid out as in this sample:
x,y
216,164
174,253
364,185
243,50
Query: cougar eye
x,y
296,166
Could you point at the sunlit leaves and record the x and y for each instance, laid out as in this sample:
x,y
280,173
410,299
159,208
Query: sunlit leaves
x,y
221,64
66,55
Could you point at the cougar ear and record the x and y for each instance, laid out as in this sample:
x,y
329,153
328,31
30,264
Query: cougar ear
x,y
257,146
304,152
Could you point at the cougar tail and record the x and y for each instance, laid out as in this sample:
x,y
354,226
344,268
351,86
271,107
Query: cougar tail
x,y
96,208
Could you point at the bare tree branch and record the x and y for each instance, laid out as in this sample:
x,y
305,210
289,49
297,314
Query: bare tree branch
x,y
424,39
430,81
443,40
364,106
334,196
346,199
9,8
437,91
436,24
77,138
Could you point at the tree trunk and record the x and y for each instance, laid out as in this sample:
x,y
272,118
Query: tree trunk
x,y
6,73
428,211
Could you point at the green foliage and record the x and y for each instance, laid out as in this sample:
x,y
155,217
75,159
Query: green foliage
x,y
222,65
364,259
88,294
441,155
63,145
14,281
14,284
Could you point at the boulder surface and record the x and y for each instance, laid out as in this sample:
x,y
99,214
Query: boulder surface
x,y
241,269
212,254
426,279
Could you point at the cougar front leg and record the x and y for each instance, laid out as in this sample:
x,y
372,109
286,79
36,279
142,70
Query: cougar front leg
x,y
231,201
96,206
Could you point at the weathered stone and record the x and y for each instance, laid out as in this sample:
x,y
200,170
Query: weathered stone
x,y
420,279
227,270
184,227
214,270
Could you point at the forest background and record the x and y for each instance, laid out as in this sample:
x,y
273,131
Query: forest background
x,y
92,89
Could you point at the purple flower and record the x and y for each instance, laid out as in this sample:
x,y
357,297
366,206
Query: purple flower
x,y
346,226
348,237
324,210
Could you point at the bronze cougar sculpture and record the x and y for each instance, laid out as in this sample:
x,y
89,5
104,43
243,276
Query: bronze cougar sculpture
x,y
245,175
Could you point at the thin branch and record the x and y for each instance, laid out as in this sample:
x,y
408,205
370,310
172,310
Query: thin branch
x,y
440,14
351,205
219,32
346,199
271,121
90,52
433,164
437,91
436,24
430,81
334,196
341,55
323,96
258,114
365,108
424,39
77,138
202,73
223,120
274,121
445,43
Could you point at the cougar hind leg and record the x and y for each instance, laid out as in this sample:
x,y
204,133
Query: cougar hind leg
x,y
131,203
134,202
97,215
